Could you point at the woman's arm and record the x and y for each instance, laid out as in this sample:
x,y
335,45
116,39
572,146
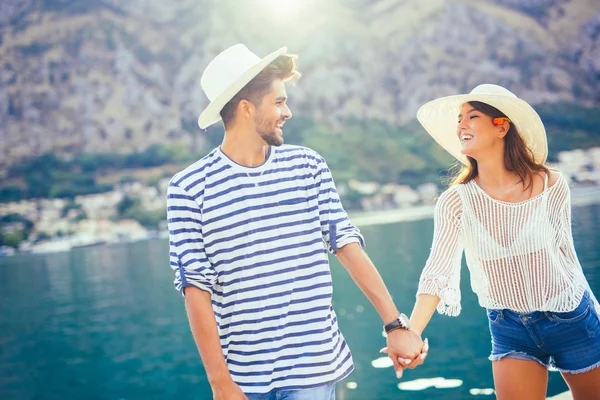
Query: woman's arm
x,y
423,311
439,284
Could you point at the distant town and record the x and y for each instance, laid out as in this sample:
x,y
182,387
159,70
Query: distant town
x,y
63,224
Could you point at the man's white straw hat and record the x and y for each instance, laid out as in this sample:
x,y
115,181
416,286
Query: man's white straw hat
x,y
440,117
226,75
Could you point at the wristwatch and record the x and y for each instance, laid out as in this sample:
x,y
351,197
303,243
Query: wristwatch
x,y
402,322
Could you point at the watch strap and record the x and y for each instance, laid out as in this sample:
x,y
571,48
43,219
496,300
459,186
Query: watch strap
x,y
395,324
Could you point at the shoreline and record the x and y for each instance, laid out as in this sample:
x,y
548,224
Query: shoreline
x,y
580,196
392,215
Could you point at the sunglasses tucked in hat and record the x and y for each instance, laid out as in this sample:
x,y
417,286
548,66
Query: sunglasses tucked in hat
x,y
439,117
226,75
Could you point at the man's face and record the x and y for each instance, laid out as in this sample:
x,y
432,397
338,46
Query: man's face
x,y
272,114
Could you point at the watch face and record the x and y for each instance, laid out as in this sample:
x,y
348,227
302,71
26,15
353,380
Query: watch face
x,y
404,321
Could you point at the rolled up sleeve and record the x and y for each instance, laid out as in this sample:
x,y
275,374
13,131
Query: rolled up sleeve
x,y
186,245
336,227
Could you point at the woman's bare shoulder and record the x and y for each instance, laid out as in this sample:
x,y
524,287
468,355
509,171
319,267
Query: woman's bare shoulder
x,y
553,176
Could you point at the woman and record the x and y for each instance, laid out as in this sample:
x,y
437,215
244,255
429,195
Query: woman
x,y
512,217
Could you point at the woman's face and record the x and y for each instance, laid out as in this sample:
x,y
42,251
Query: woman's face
x,y
477,133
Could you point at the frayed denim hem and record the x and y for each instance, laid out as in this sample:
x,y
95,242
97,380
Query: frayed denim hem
x,y
579,371
519,355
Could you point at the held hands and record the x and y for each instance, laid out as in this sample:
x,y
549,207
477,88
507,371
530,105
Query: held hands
x,y
406,349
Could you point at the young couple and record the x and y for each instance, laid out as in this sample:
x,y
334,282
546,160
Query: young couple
x,y
247,224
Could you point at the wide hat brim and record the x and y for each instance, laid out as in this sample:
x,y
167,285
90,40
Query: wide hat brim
x,y
211,113
439,117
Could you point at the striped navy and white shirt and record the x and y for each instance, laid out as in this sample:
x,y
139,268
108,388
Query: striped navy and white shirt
x,y
254,238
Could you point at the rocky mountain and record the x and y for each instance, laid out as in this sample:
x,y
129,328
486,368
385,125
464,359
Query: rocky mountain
x,y
121,75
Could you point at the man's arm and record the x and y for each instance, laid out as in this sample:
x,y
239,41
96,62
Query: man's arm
x,y
400,342
195,278
204,329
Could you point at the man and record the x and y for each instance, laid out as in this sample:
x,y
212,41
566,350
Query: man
x,y
247,224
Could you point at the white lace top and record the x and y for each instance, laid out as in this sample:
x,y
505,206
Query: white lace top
x,y
520,255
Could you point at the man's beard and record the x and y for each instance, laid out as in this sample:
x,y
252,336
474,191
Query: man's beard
x,y
268,132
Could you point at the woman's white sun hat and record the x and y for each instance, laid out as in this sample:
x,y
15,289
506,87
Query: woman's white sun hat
x,y
439,117
226,75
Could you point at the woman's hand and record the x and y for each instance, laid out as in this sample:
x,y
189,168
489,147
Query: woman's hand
x,y
401,362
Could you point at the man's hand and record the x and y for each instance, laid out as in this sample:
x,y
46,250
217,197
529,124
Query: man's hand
x,y
406,349
227,390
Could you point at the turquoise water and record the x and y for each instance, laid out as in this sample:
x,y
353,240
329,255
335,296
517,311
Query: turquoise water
x,y
106,323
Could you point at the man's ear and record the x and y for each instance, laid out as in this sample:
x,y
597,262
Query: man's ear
x,y
245,109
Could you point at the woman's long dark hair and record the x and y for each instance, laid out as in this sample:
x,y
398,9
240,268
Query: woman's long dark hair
x,y
518,158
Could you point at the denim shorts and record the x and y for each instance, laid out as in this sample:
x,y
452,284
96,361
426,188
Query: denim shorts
x,y
567,341
325,392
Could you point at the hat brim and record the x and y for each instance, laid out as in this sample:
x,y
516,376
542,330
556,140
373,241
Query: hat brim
x,y
440,117
211,114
